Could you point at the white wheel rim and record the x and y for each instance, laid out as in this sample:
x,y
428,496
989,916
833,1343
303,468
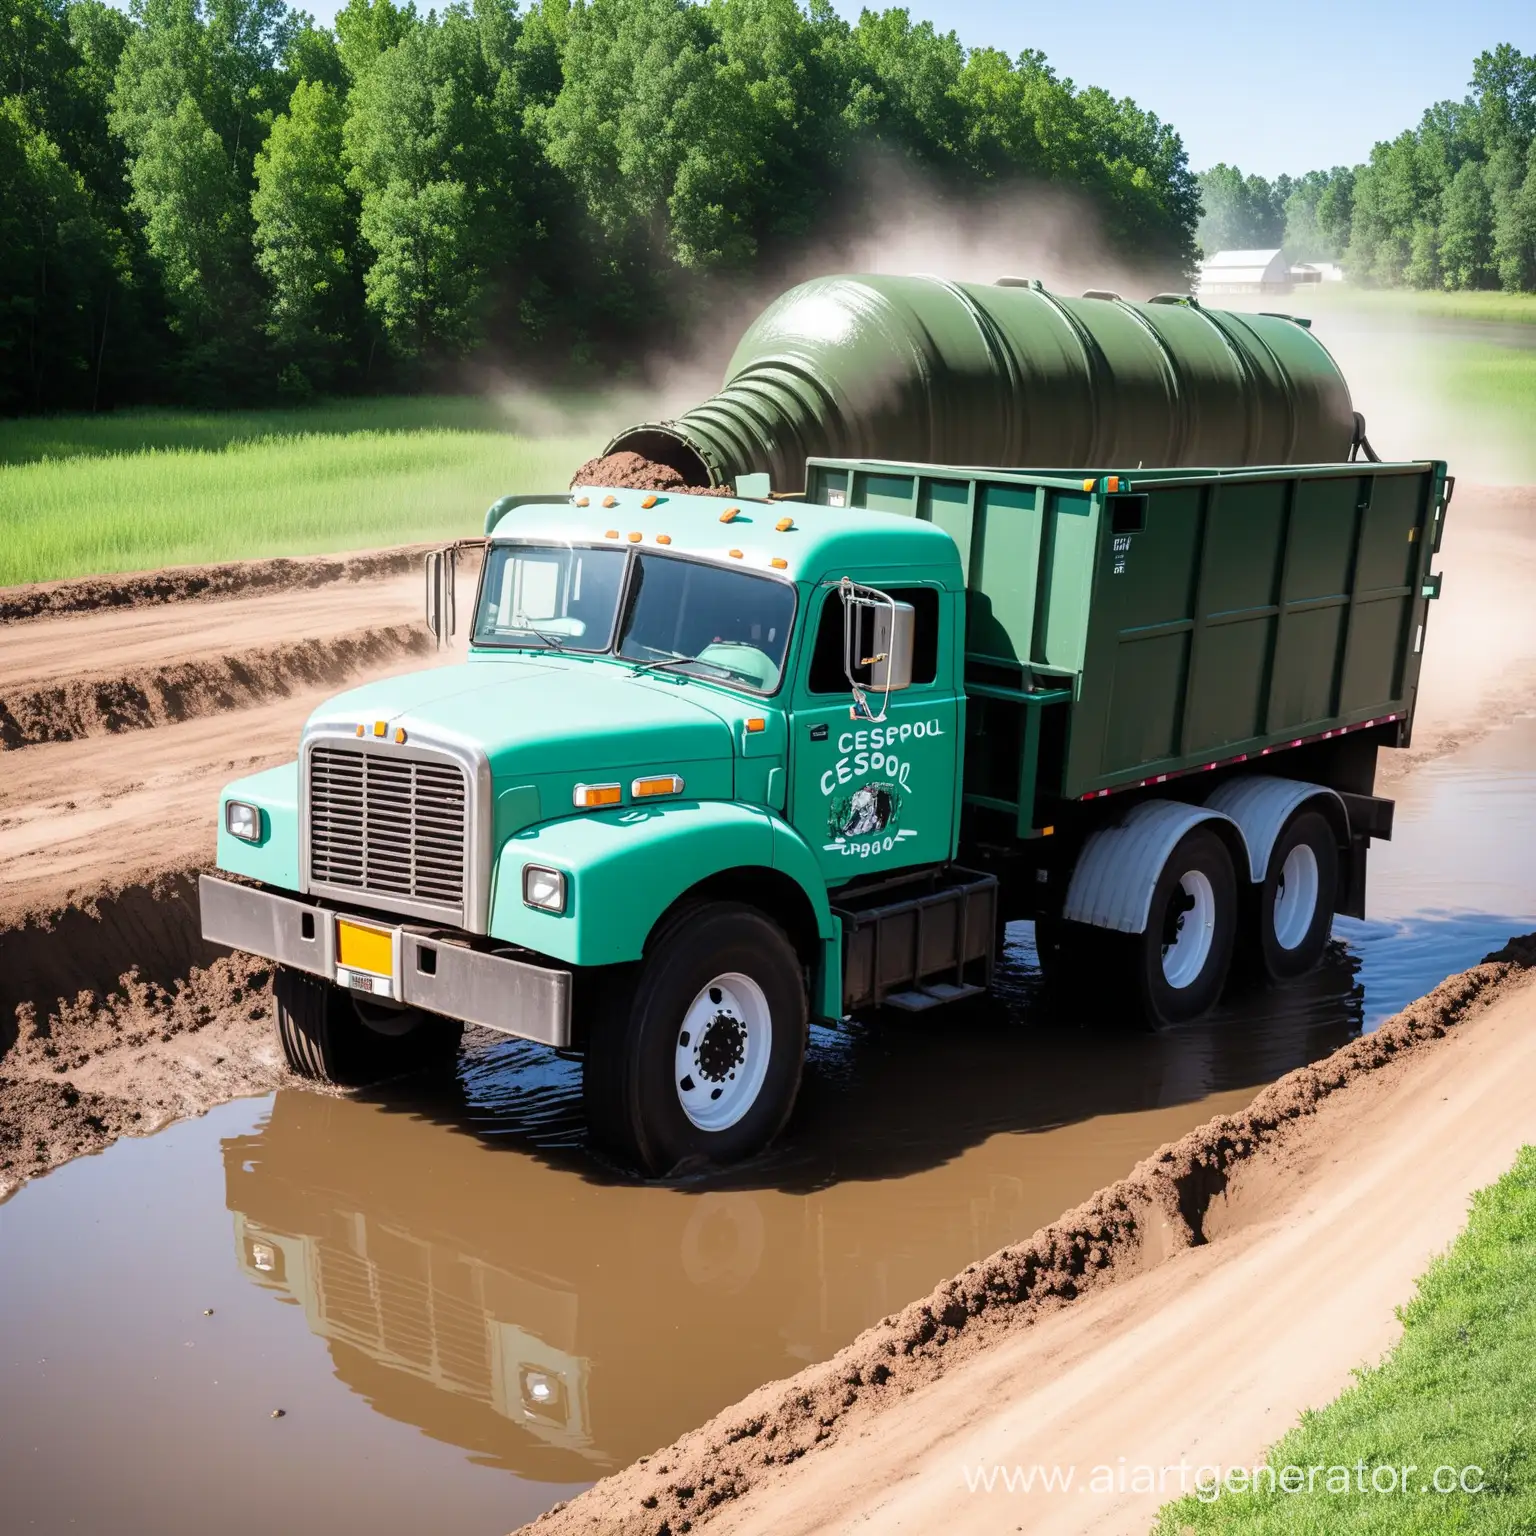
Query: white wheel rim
x,y
1194,931
1296,897
722,1053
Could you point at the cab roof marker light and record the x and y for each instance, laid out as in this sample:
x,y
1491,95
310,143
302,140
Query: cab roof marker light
x,y
588,797
784,525
612,533
635,537
583,501
779,563
1089,485
735,554
610,501
663,538
1114,482
647,503
730,514
657,784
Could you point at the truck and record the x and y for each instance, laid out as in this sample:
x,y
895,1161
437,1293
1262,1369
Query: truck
x,y
719,767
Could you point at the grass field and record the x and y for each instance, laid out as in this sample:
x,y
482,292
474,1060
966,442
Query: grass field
x,y
1489,308
1458,1392
139,490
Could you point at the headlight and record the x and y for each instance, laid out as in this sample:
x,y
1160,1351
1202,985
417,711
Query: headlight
x,y
543,888
242,821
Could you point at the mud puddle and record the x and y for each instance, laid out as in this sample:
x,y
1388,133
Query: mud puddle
x,y
464,1316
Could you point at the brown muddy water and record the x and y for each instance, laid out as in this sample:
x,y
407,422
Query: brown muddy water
x,y
464,1316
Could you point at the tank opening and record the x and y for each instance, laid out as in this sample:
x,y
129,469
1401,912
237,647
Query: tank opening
x,y
664,448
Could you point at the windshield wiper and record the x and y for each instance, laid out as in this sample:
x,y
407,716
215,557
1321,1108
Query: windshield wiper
x,y
690,661
552,641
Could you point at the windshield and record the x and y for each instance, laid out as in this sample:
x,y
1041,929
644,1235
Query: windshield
x,y
715,623
560,599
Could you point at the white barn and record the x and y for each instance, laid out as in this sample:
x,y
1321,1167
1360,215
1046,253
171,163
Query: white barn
x,y
1245,272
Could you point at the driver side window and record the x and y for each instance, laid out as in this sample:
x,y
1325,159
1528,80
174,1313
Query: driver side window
x,y
827,675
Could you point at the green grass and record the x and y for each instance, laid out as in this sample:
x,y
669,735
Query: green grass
x,y
1489,308
1458,1391
139,490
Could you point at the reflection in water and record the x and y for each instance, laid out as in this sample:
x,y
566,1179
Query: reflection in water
x,y
474,1271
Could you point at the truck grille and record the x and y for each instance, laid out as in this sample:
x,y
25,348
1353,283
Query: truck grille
x,y
388,826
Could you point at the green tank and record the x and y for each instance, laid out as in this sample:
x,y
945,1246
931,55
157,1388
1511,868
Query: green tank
x,y
1008,375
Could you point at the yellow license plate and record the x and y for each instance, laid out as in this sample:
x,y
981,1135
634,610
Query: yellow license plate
x,y
365,949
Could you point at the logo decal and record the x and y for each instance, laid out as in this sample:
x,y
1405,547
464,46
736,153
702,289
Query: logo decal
x,y
864,820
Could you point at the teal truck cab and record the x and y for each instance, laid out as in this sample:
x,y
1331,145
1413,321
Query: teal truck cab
x,y
714,769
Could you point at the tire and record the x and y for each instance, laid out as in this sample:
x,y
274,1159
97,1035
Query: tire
x,y
327,1039
1295,902
696,1062
1179,964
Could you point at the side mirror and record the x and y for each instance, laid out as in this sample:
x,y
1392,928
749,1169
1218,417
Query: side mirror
x,y
442,585
878,637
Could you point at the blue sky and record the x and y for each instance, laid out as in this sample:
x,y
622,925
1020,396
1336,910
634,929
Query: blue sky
x,y
1316,90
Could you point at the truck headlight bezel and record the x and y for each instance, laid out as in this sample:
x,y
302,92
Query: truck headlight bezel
x,y
243,820
545,888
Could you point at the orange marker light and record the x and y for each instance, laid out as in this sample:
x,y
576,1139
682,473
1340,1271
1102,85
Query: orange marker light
x,y
730,514
735,554
755,725
399,735
784,524
1088,485
610,501
379,727
1114,482
635,538
583,501
648,503
663,538
587,797
612,533
360,730
661,784
1047,831
779,563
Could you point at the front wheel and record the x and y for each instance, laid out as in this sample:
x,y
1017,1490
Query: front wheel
x,y
698,1062
328,1038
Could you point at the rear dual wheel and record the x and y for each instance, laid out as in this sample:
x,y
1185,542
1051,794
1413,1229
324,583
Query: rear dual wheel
x,y
328,1037
1295,902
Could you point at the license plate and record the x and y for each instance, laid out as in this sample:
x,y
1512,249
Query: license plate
x,y
359,948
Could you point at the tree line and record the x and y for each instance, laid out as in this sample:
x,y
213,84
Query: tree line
x,y
1448,204
218,201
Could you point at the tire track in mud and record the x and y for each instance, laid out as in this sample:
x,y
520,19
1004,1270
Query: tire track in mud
x,y
144,697
1128,1227
194,583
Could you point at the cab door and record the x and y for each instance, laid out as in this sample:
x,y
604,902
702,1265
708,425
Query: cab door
x,y
876,798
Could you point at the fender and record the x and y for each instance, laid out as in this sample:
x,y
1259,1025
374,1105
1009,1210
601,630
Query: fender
x,y
627,865
1261,804
1115,874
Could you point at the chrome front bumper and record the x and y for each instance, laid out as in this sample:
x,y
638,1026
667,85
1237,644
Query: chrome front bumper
x,y
440,977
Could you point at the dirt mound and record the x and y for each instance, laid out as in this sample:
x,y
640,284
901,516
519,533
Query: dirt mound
x,y
116,1018
1128,1227
630,472
179,584
160,695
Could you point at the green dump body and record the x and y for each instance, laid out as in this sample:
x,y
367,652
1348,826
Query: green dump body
x,y
963,373
1123,627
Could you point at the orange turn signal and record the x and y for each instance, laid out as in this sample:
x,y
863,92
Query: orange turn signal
x,y
379,727
361,729
399,735
756,724
662,784
587,797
